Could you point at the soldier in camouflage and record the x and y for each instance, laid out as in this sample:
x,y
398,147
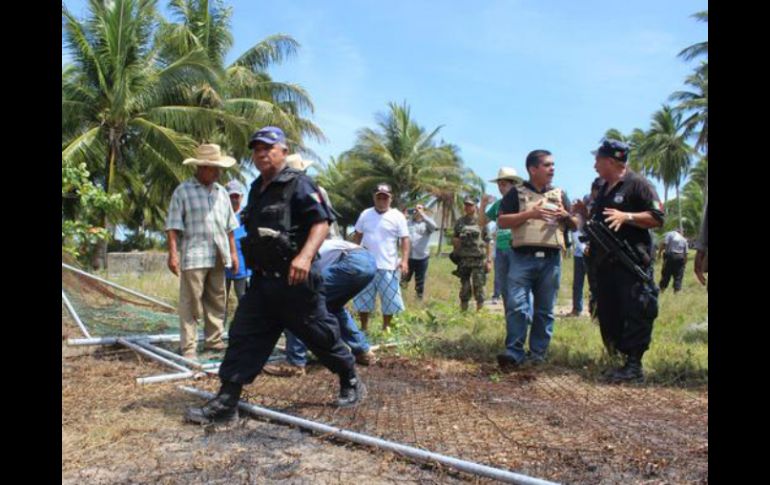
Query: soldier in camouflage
x,y
472,254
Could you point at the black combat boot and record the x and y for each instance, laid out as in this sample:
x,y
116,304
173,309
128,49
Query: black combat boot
x,y
631,372
352,391
463,306
223,409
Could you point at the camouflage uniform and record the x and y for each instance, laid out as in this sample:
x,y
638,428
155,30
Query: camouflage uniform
x,y
471,257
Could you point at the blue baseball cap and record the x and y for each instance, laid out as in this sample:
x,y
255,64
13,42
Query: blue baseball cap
x,y
614,149
269,135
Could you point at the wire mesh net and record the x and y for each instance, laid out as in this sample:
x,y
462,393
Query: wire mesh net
x,y
554,425
107,311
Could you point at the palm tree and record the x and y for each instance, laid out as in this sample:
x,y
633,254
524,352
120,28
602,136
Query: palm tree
x,y
119,99
402,154
243,88
700,48
666,150
336,177
695,103
448,192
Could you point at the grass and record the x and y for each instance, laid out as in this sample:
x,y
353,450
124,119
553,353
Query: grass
x,y
437,328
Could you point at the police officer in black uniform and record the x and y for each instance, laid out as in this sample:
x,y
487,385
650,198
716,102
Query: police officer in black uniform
x,y
626,306
286,221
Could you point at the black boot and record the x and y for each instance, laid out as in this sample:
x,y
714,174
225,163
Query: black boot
x,y
222,409
352,392
631,372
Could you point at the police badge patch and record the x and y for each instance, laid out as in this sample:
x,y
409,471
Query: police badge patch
x,y
618,199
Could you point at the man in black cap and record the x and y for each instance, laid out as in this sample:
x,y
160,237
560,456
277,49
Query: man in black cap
x,y
627,306
473,253
286,221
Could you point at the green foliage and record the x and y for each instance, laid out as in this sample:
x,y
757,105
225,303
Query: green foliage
x,y
91,204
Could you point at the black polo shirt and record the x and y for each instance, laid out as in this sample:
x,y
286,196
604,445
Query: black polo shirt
x,y
510,205
633,193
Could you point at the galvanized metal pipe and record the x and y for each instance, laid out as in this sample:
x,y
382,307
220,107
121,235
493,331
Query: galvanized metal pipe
x,y
169,377
74,314
115,285
173,337
362,439
157,338
168,354
152,355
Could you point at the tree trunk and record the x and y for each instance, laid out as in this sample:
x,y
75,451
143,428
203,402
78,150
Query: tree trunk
x,y
679,207
441,230
99,260
706,188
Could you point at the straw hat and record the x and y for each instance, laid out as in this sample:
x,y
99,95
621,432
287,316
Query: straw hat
x,y
507,173
210,155
296,161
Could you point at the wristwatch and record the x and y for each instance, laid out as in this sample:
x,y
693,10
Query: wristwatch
x,y
630,217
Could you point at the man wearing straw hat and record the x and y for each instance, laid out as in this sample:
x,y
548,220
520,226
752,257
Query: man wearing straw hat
x,y
201,216
506,179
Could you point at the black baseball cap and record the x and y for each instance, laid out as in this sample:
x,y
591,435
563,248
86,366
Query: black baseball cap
x,y
614,149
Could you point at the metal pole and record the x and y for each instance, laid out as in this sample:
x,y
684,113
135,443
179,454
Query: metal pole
x,y
113,340
110,283
169,354
362,439
75,316
169,377
152,355
164,337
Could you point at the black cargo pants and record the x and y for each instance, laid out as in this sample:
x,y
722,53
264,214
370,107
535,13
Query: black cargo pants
x,y
626,309
269,306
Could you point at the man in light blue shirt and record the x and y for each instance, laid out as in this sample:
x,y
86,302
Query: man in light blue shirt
x,y
420,229
239,279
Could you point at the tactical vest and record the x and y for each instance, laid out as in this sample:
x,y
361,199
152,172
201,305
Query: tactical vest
x,y
271,209
472,244
537,232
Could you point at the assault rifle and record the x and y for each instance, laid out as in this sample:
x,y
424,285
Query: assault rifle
x,y
603,237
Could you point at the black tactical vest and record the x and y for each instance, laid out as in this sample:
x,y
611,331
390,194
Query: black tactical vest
x,y
271,209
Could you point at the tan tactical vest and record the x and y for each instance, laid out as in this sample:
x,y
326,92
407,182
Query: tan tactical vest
x,y
536,232
472,244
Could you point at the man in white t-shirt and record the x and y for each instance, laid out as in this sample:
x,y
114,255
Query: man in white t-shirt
x,y
382,230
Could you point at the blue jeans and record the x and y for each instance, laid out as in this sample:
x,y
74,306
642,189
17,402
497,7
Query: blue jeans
x,y
577,284
533,284
502,266
342,281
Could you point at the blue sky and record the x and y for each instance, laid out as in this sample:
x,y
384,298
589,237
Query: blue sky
x,y
503,77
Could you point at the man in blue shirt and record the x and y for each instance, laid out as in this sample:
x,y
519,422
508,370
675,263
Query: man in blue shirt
x,y
239,279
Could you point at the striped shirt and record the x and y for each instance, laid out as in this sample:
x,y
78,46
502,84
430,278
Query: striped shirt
x,y
204,218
